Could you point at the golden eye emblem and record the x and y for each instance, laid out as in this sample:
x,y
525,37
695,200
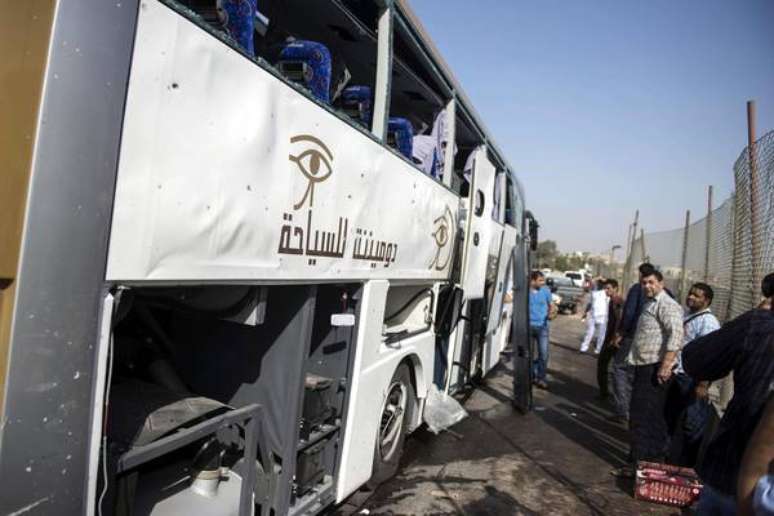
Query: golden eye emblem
x,y
441,234
310,161
314,163
444,227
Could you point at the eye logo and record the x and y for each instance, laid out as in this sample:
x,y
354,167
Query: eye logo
x,y
443,233
314,162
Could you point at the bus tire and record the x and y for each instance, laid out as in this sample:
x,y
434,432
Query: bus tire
x,y
394,419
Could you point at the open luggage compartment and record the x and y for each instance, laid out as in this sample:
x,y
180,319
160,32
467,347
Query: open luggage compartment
x,y
222,397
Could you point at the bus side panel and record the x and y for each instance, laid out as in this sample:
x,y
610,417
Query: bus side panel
x,y
373,368
59,289
215,180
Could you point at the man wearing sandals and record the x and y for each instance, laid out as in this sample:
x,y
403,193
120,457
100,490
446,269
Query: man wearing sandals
x,y
657,340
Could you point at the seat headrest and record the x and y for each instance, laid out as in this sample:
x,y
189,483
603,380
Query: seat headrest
x,y
400,134
308,63
238,17
357,102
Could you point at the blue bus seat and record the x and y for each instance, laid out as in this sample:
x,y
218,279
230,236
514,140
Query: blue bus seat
x,y
308,63
400,135
238,17
356,102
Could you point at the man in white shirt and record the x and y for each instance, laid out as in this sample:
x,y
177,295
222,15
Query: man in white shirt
x,y
596,319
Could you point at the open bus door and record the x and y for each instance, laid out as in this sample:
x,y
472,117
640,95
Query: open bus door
x,y
464,354
478,227
520,340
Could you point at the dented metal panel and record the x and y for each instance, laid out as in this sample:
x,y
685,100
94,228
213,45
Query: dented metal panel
x,y
228,173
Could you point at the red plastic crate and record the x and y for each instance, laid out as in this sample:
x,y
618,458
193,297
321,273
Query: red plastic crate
x,y
666,484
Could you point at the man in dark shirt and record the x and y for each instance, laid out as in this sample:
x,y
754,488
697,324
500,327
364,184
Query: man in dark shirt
x,y
746,347
608,350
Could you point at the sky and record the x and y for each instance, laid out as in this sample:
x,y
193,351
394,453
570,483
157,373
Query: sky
x,y
603,107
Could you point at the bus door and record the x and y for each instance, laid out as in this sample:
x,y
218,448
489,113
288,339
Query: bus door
x,y
520,341
498,319
478,227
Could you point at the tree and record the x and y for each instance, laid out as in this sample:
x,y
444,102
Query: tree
x,y
546,253
568,262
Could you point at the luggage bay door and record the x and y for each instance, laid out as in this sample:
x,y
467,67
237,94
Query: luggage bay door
x,y
478,227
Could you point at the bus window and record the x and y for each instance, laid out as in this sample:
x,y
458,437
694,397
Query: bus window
x,y
509,198
240,20
467,140
328,51
418,101
498,207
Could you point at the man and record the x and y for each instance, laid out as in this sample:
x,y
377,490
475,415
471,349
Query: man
x,y
623,373
746,347
688,408
540,306
653,354
596,315
615,307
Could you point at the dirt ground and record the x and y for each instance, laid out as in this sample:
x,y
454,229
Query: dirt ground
x,y
555,460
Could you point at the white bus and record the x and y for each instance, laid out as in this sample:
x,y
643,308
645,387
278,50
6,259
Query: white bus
x,y
239,244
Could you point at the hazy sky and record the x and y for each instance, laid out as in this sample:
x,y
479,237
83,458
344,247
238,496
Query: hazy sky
x,y
603,107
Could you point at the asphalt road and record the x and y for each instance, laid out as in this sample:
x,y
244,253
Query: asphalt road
x,y
555,460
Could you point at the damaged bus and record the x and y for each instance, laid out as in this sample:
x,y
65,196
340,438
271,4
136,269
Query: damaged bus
x,y
240,243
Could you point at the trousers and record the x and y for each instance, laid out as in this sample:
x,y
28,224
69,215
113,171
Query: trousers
x,y
687,417
539,337
603,373
623,377
647,415
594,328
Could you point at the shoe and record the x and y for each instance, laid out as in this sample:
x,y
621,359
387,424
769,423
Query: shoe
x,y
541,384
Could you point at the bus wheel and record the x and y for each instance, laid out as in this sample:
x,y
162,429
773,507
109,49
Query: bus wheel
x,y
395,417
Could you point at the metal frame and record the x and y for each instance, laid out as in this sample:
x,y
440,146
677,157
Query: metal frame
x,y
44,446
250,416
383,74
448,163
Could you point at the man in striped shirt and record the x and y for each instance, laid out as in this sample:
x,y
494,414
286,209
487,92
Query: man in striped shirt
x,y
653,354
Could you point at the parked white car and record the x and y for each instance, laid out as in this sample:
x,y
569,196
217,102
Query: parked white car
x,y
578,277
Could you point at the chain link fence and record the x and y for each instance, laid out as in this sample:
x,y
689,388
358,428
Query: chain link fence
x,y
731,248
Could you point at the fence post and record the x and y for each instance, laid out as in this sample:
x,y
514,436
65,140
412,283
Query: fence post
x,y
684,259
630,250
708,235
755,229
627,259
